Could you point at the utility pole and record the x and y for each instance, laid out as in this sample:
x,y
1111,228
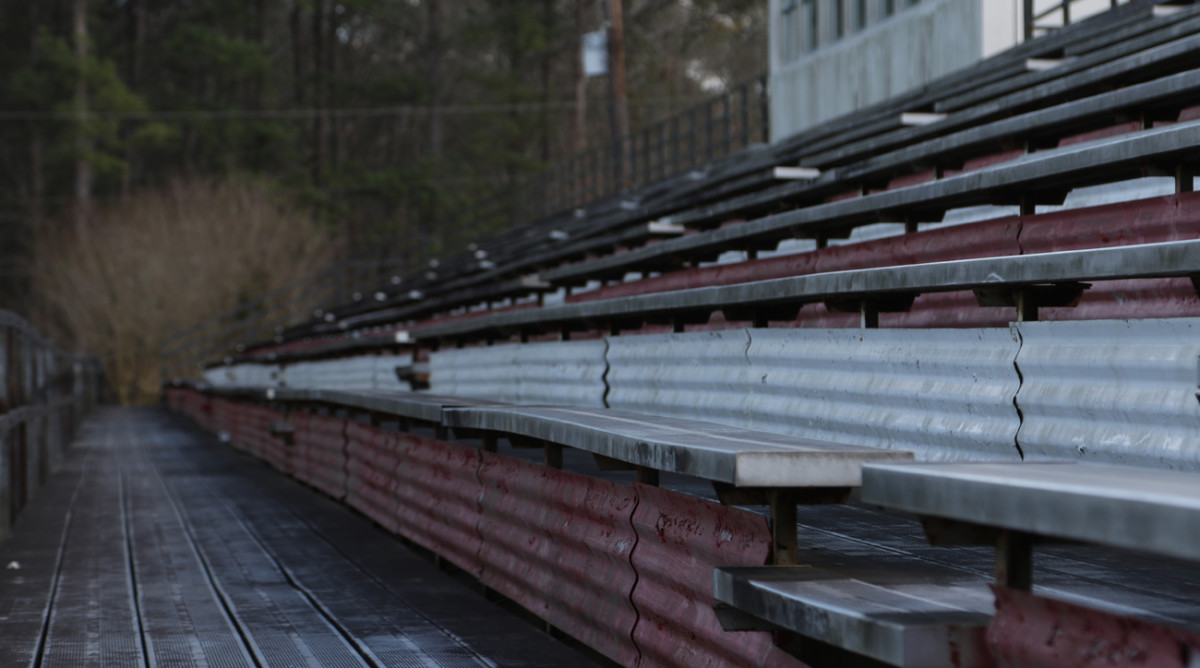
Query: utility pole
x,y
618,103
83,144
434,76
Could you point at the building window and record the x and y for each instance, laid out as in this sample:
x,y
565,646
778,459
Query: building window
x,y
859,20
806,25
808,20
789,33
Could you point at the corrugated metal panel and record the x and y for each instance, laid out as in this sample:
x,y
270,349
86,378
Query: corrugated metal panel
x,y
246,375
1121,391
318,456
488,372
368,372
1156,219
1081,637
559,544
437,495
370,473
944,394
680,540
700,376
557,372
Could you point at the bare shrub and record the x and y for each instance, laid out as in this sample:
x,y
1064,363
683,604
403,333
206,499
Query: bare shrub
x,y
163,260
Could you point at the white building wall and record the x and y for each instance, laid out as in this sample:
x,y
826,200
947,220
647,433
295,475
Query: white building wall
x,y
818,75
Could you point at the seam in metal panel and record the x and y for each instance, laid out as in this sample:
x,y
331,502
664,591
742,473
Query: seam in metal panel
x,y
1020,381
604,376
637,501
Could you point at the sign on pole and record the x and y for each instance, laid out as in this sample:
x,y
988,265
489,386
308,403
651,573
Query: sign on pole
x,y
595,53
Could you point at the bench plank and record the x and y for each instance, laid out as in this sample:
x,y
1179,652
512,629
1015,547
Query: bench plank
x,y
412,405
720,453
1150,510
905,612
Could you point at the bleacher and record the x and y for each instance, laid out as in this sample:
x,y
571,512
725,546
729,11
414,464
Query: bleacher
x,y
712,421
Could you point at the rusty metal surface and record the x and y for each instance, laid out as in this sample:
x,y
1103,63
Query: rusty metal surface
x,y
1148,220
559,544
319,454
1032,632
681,539
371,461
436,495
1159,260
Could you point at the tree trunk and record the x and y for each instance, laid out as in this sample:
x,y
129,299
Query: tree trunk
x,y
83,144
37,182
331,99
318,135
548,23
579,133
619,107
136,65
297,56
434,74
139,42
260,84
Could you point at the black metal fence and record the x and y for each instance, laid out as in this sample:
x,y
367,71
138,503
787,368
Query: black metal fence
x,y
44,395
1037,22
696,136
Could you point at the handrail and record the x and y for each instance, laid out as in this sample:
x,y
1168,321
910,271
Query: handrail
x,y
1032,16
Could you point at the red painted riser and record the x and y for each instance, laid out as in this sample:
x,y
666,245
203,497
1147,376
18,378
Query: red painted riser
x,y
436,498
1143,221
1032,632
558,543
681,539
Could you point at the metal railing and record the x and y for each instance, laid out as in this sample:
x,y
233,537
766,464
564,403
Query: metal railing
x,y
44,395
1036,19
696,136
